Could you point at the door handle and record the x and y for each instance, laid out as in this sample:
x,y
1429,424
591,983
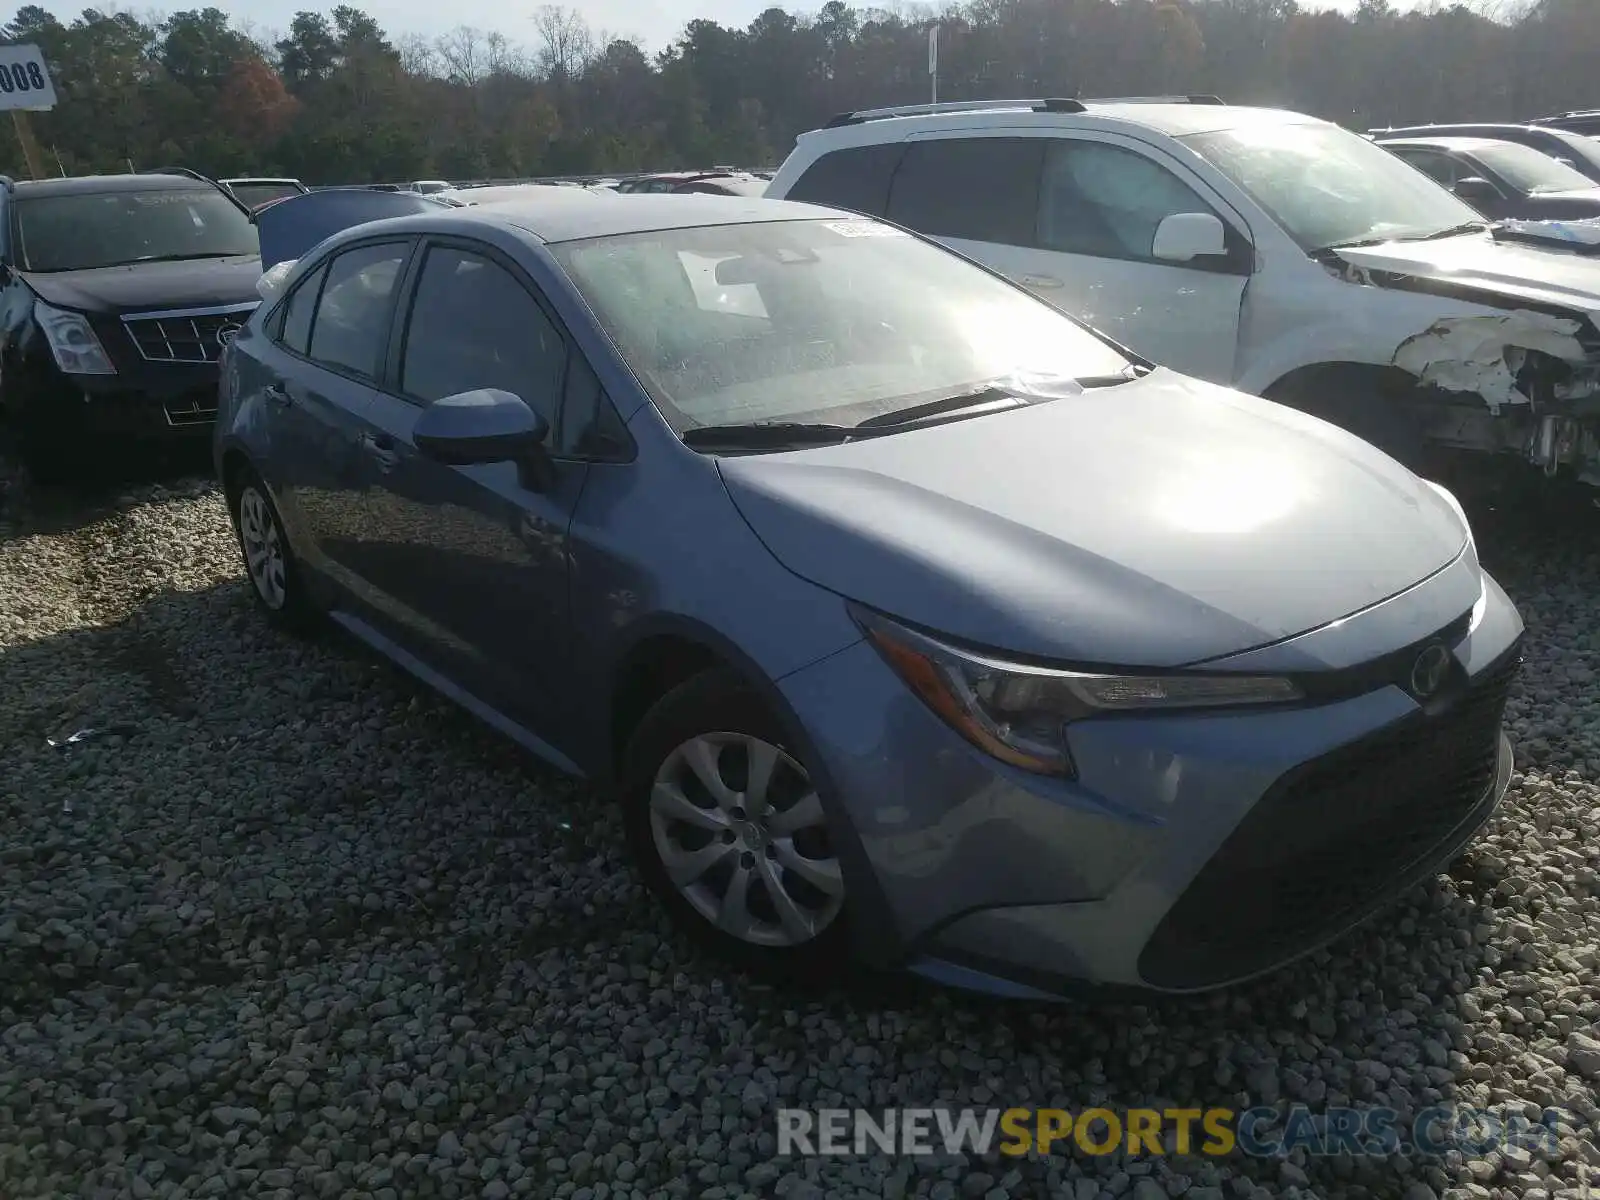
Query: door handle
x,y
382,448
1039,281
278,394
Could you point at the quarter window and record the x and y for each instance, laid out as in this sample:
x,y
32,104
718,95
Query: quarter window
x,y
856,179
353,315
474,325
977,189
1107,202
298,311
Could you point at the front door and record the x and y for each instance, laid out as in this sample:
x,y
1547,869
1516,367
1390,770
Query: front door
x,y
472,561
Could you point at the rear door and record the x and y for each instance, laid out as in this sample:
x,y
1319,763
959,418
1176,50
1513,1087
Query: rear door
x,y
471,563
325,347
1073,219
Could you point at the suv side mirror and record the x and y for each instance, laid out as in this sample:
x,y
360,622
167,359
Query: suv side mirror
x,y
1476,191
1184,237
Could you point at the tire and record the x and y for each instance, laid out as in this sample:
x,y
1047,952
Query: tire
x,y
786,848
271,569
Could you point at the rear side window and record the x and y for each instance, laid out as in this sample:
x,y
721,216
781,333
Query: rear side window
x,y
856,179
979,189
353,315
297,313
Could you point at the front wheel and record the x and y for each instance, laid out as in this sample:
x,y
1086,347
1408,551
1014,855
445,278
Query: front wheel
x,y
729,832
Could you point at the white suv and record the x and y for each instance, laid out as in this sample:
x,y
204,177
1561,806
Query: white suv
x,y
1257,248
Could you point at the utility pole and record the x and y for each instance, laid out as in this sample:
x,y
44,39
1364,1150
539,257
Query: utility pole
x,y
933,60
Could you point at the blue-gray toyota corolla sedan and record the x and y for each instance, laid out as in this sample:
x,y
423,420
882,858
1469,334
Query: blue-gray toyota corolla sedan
x,y
910,621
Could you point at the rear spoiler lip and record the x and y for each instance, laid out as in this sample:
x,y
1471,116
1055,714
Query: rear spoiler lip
x,y
290,227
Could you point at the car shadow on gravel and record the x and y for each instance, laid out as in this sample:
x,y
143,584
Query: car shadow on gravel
x,y
108,477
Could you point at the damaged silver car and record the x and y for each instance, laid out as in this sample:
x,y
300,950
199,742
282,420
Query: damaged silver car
x,y
1258,248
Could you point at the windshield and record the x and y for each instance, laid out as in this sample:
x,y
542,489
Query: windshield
x,y
835,321
1327,186
106,229
1530,170
257,194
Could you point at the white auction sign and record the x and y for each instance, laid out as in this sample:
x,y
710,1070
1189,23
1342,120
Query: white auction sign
x,y
25,79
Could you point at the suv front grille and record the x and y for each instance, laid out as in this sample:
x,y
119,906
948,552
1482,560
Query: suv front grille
x,y
185,335
1331,839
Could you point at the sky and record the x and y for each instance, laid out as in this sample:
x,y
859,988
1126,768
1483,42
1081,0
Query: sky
x,y
654,22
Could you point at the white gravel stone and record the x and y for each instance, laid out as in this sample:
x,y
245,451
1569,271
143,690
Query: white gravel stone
x,y
291,926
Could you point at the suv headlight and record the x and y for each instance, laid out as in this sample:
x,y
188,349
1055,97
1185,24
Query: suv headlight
x,y
1018,712
76,348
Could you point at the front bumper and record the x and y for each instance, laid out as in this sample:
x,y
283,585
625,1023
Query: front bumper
x,y
183,408
1191,852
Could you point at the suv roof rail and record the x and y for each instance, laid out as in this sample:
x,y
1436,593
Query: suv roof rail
x,y
1057,104
1196,99
184,171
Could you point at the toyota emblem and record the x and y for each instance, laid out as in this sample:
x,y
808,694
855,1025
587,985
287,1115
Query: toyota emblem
x,y
225,334
1429,671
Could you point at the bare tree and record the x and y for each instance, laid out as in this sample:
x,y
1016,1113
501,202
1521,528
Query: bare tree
x,y
566,43
418,56
464,54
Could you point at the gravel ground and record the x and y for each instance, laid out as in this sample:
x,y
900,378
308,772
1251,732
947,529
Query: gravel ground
x,y
294,928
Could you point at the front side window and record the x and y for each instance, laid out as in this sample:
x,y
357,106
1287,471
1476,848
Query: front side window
x,y
1107,202
1328,187
84,230
1439,167
353,314
474,325
977,189
817,320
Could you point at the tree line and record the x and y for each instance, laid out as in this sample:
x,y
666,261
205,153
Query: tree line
x,y
337,99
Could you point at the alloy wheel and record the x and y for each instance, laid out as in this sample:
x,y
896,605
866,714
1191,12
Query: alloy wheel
x,y
740,833
263,548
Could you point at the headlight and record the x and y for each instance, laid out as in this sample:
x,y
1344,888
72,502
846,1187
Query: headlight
x,y
1449,498
72,341
1018,712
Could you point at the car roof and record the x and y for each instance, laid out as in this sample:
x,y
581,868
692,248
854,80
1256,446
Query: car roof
x,y
1466,145
571,214
84,185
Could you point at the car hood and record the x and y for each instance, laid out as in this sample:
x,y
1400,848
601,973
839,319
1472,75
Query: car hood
x,y
195,283
1516,270
1158,523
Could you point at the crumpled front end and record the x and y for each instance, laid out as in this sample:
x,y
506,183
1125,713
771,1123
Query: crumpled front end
x,y
1533,379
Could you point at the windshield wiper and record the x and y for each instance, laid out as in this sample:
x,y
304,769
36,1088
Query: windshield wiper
x,y
1127,375
134,262
970,398
1453,231
766,435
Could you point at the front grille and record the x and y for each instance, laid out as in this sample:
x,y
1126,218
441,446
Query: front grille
x,y
187,336
1330,840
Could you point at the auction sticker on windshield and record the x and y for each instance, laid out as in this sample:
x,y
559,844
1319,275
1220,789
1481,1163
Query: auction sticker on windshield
x,y
864,229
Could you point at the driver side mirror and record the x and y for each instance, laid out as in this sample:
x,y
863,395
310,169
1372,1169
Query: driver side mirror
x,y
1184,237
1476,191
486,426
